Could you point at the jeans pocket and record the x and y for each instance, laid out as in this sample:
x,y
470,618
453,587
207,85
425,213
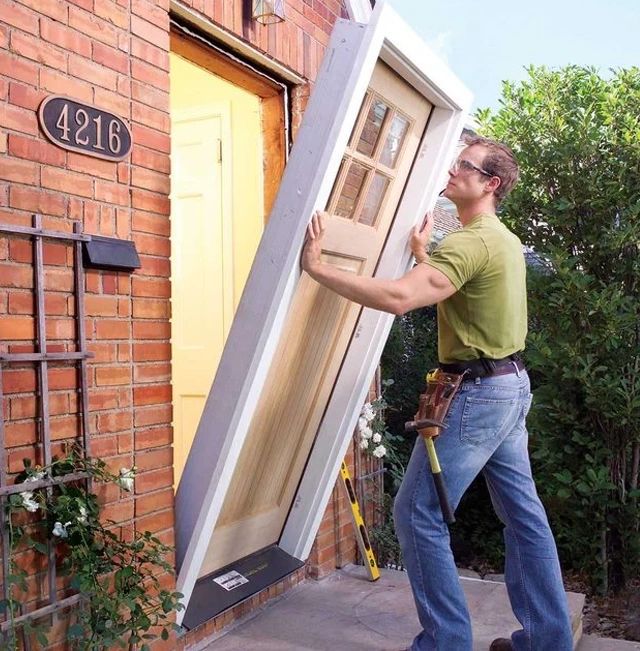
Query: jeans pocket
x,y
483,419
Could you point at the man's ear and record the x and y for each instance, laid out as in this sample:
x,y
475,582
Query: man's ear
x,y
493,184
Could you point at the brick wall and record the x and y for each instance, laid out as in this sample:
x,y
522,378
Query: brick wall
x,y
114,54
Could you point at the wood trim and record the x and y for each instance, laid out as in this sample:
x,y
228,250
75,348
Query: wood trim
x,y
273,109
212,60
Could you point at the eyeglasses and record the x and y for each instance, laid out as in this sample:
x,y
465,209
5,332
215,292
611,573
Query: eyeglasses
x,y
468,166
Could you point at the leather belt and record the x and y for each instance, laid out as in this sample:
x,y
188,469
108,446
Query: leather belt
x,y
485,367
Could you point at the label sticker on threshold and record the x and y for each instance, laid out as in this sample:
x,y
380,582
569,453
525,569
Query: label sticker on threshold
x,y
231,580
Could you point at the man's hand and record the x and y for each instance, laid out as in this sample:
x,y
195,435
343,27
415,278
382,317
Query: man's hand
x,y
419,238
313,243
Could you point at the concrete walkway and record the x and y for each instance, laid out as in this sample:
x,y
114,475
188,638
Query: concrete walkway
x,y
346,612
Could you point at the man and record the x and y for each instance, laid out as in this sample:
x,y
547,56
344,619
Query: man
x,y
477,278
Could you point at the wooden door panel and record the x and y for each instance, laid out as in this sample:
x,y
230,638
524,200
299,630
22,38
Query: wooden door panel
x,y
319,325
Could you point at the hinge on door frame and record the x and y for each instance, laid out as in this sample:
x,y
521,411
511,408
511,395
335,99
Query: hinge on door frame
x,y
219,150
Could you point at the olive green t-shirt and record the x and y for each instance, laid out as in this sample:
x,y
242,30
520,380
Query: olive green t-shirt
x,y
487,316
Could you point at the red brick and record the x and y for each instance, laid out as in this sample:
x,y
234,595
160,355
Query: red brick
x,y
36,150
25,96
20,303
36,200
146,137
18,68
151,13
63,37
56,9
154,459
60,329
116,421
154,266
150,180
66,181
149,74
154,160
111,375
62,378
103,446
151,287
22,407
152,502
155,35
63,84
149,95
19,433
17,16
118,511
113,101
95,167
20,171
151,373
111,12
151,330
58,280
151,308
103,399
152,394
113,329
64,427
156,521
16,276
156,415
97,305
103,351
110,57
153,480
93,26
149,352
112,193
19,119
18,380
33,48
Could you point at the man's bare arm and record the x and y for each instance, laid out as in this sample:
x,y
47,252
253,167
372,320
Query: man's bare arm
x,y
423,285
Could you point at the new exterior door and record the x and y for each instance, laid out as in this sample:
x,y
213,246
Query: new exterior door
x,y
320,324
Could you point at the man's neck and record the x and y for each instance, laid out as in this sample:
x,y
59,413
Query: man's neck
x,y
466,212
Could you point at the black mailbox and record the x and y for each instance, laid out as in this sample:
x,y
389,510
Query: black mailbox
x,y
110,253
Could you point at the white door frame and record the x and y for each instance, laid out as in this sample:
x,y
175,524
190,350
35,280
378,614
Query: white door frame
x,y
359,10
341,84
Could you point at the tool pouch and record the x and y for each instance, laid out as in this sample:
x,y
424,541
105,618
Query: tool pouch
x,y
435,401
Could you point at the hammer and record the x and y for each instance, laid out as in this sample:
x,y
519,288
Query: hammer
x,y
436,471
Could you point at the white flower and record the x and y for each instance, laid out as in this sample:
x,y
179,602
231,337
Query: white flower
x,y
60,529
28,502
362,423
366,433
377,437
380,451
41,474
126,478
82,518
368,412
364,444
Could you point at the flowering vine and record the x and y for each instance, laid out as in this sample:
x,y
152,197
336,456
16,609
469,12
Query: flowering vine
x,y
117,576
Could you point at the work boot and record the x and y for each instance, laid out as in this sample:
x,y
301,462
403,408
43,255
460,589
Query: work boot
x,y
501,644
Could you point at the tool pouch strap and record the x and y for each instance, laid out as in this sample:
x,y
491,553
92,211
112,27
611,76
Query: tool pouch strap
x,y
435,401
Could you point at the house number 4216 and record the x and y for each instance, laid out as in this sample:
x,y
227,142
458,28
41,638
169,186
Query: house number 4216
x,y
86,129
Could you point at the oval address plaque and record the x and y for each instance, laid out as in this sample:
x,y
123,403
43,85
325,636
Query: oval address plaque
x,y
85,129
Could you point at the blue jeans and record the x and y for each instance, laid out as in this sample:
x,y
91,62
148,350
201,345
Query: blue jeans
x,y
486,433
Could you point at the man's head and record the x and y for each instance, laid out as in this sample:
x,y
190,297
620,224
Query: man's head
x,y
485,168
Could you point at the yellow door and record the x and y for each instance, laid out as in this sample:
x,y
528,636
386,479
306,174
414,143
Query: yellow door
x,y
216,222
320,323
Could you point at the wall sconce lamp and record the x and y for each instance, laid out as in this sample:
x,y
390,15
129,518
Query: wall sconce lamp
x,y
268,11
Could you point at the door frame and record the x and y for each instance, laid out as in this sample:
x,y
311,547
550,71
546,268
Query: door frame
x,y
346,69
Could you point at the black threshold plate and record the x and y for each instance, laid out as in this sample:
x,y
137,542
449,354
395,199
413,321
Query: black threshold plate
x,y
237,582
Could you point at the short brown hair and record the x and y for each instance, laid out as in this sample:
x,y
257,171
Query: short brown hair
x,y
499,161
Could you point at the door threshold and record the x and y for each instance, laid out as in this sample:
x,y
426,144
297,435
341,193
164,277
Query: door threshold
x,y
236,582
